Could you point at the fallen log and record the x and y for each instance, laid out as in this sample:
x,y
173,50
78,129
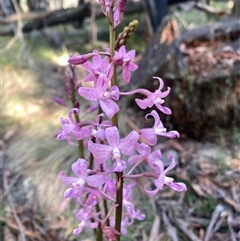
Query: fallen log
x,y
202,67
41,20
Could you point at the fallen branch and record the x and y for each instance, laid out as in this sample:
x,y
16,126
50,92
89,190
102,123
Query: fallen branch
x,y
209,9
41,20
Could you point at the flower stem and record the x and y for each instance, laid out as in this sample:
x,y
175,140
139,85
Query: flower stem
x,y
99,233
119,178
112,37
76,117
119,197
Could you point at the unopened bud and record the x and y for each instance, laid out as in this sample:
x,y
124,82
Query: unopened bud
x,y
126,34
81,59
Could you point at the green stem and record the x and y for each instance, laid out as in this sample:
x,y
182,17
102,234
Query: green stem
x,y
112,37
119,178
119,197
99,233
105,205
74,100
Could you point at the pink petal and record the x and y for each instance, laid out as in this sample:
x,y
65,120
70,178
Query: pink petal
x,y
90,77
161,83
64,121
67,180
143,149
132,66
68,128
165,93
71,192
156,118
159,167
126,144
97,61
172,165
159,183
84,132
177,186
101,84
79,229
88,66
95,180
100,152
155,155
122,50
171,134
149,135
126,74
109,107
134,159
131,54
88,93
79,168
61,136
144,104
112,136
119,165
164,109
114,92
151,193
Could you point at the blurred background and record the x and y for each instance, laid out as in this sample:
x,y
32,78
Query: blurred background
x,y
194,46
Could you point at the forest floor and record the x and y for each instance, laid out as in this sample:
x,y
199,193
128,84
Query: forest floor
x,y
33,205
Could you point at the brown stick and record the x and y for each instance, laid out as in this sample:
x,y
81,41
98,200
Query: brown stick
x,y
215,216
172,233
184,227
12,207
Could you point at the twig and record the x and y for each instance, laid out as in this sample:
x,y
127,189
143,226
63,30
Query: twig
x,y
155,229
215,216
172,233
6,192
210,10
229,220
11,204
184,227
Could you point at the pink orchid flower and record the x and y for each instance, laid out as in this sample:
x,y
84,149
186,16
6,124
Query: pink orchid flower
x,y
77,184
100,93
124,59
163,179
88,218
155,98
150,134
115,149
98,67
71,127
145,154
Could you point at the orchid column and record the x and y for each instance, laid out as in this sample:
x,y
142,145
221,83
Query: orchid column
x,y
104,172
